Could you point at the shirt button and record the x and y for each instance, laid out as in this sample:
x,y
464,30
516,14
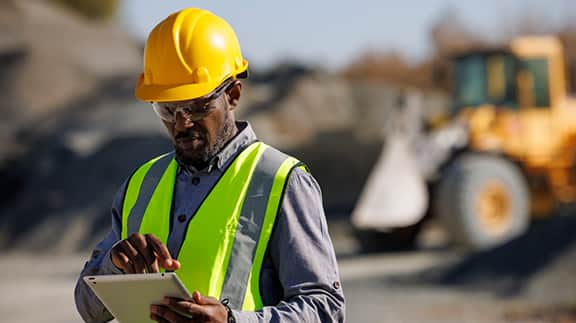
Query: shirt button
x,y
336,285
182,217
195,180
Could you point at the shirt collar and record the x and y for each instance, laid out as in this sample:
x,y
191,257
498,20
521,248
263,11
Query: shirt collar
x,y
243,138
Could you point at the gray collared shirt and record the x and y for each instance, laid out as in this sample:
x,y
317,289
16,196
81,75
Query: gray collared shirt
x,y
299,280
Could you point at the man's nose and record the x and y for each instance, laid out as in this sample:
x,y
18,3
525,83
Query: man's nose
x,y
182,122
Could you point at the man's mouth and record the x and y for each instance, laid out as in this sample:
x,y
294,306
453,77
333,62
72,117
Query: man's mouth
x,y
190,141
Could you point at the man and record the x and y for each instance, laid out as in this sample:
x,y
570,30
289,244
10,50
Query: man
x,y
241,223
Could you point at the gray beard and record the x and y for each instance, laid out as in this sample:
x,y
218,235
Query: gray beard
x,y
224,135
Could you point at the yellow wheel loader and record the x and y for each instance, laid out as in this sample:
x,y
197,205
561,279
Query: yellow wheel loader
x,y
505,153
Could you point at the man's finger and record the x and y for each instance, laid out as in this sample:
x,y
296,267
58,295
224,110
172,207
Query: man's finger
x,y
154,266
167,314
157,318
185,306
125,255
121,261
138,264
165,260
145,252
174,317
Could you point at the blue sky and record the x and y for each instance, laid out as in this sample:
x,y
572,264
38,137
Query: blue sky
x,y
331,33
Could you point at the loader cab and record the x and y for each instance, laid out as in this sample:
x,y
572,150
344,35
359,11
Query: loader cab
x,y
527,74
485,78
541,75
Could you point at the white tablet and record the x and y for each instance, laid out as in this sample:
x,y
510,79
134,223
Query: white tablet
x,y
128,297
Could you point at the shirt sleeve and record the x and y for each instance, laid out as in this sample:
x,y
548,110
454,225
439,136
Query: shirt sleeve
x,y
304,258
100,263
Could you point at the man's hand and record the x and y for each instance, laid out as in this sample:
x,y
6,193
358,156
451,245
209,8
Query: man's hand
x,y
198,309
142,253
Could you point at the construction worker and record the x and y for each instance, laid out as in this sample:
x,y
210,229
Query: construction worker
x,y
241,223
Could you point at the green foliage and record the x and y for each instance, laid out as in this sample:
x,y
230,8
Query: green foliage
x,y
93,9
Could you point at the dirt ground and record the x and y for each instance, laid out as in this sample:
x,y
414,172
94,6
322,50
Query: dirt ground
x,y
531,279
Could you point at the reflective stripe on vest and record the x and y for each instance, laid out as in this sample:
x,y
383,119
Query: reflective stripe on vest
x,y
225,242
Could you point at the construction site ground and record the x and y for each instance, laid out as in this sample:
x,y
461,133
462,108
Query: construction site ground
x,y
531,279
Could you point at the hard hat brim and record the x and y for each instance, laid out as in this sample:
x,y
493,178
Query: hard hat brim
x,y
183,92
167,93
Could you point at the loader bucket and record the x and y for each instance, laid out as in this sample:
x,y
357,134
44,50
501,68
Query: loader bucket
x,y
395,194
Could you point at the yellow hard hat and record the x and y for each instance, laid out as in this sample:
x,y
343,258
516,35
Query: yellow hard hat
x,y
188,55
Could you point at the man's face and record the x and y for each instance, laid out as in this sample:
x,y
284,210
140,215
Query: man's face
x,y
196,142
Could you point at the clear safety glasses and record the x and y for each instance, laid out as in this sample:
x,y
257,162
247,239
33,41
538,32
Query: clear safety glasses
x,y
193,110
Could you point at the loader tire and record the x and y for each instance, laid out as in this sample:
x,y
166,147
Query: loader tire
x,y
482,201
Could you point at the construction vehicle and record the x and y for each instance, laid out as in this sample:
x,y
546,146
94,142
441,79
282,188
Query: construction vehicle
x,y
503,154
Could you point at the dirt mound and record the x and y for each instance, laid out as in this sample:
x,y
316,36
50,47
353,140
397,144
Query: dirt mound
x,y
50,58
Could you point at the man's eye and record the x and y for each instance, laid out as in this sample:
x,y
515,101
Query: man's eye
x,y
187,110
203,109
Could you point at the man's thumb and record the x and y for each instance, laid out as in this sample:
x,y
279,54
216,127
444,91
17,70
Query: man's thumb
x,y
204,300
198,298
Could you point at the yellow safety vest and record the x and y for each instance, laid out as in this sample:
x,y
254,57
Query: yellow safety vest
x,y
225,242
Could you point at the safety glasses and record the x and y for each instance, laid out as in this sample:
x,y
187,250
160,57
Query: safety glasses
x,y
193,110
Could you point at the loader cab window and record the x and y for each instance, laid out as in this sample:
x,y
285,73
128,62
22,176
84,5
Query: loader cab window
x,y
485,79
536,81
470,85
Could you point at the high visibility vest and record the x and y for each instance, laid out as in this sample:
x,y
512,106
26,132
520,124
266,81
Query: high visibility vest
x,y
226,239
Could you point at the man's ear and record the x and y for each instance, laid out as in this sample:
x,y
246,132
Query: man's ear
x,y
234,94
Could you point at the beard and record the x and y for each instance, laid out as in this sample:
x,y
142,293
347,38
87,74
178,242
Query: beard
x,y
200,157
